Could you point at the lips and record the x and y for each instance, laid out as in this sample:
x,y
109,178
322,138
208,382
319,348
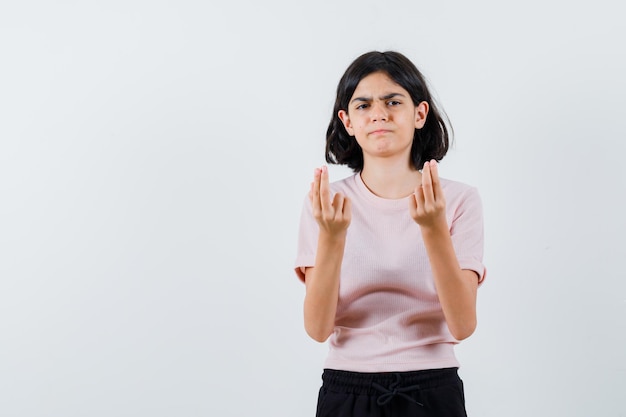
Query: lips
x,y
379,131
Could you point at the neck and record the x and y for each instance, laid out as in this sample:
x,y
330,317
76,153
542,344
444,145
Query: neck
x,y
391,180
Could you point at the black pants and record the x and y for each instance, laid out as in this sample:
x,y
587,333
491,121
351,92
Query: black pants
x,y
430,393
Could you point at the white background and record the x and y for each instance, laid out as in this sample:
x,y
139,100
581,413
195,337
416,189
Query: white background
x,y
154,156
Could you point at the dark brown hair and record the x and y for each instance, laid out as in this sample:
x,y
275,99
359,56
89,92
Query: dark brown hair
x,y
430,142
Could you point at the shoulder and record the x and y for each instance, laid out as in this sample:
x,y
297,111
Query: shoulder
x,y
458,193
347,186
453,187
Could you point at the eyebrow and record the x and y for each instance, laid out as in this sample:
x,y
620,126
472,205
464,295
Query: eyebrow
x,y
385,97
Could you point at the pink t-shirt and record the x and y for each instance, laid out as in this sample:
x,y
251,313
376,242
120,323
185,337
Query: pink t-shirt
x,y
388,315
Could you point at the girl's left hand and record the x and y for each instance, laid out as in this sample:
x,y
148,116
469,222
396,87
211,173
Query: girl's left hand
x,y
428,207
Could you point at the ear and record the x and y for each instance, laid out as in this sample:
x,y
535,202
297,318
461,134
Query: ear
x,y
345,119
421,111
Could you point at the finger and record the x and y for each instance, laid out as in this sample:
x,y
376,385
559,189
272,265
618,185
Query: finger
x,y
434,173
315,191
427,184
347,210
419,198
324,189
337,204
416,202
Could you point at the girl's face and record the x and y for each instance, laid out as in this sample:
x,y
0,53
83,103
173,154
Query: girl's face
x,y
382,117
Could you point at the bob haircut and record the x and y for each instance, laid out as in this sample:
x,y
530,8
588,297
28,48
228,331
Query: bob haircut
x,y
430,142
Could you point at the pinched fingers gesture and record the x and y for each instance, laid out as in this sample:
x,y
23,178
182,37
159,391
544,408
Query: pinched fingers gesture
x,y
332,215
428,207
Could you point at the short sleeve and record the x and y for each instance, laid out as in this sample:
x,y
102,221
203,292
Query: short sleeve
x,y
467,231
307,240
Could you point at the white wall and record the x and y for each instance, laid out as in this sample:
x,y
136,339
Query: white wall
x,y
154,156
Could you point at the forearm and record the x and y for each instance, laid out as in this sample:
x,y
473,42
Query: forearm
x,y
456,288
322,287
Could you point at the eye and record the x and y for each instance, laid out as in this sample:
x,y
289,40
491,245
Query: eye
x,y
393,103
362,106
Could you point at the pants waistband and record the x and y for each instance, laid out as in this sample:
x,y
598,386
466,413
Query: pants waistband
x,y
369,383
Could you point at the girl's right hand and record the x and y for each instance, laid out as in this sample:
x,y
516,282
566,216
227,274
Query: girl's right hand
x,y
333,217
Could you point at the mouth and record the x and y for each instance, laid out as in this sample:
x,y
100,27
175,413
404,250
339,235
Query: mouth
x,y
380,132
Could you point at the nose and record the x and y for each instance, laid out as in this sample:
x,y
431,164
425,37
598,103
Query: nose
x,y
379,112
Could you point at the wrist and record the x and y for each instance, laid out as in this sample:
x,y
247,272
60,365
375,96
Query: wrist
x,y
332,237
438,228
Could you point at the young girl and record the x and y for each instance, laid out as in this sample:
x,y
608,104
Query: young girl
x,y
392,256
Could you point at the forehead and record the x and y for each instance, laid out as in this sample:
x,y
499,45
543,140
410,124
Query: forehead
x,y
378,82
